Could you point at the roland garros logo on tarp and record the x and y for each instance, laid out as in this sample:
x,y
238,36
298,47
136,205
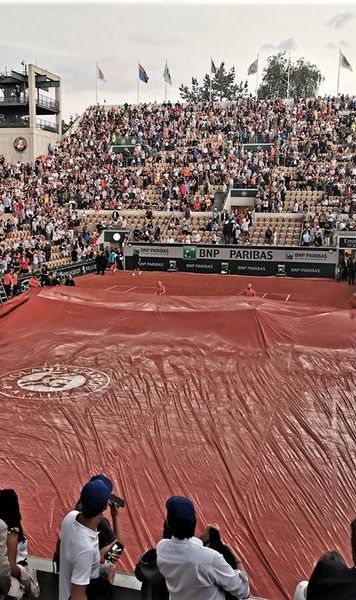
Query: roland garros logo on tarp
x,y
53,381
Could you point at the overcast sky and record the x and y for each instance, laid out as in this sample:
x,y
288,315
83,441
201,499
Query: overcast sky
x,y
70,38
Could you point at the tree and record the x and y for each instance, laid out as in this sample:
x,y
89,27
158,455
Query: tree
x,y
304,78
223,87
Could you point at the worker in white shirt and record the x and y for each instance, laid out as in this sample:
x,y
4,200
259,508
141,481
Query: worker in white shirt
x,y
192,571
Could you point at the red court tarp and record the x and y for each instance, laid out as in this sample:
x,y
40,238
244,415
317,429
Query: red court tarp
x,y
248,407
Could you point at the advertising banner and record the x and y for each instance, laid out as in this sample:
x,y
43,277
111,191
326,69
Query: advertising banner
x,y
243,260
75,269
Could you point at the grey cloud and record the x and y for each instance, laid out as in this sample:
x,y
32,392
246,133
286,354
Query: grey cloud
x,y
286,45
340,20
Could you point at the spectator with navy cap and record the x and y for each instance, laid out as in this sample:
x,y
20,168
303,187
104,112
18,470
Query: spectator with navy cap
x,y
82,574
192,571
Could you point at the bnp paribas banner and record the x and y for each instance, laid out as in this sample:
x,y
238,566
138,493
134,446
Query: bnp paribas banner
x,y
258,260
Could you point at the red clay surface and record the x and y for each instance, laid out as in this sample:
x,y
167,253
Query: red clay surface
x,y
247,406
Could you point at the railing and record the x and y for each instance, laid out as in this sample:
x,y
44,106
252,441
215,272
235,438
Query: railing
x,y
46,125
15,122
41,101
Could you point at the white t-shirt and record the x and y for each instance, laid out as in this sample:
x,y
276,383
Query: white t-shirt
x,y
79,555
193,572
301,591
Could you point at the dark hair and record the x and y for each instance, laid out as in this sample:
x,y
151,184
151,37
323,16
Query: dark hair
x,y
181,528
10,511
89,513
332,555
167,534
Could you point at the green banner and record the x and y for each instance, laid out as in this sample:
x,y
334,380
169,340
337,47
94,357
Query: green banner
x,y
243,192
256,147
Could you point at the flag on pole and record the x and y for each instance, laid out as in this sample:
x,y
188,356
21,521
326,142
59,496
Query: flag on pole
x,y
142,74
100,74
253,68
344,62
213,68
166,75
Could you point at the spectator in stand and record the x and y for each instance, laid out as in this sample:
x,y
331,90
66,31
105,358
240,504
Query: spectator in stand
x,y
306,238
268,236
191,571
81,573
17,550
5,572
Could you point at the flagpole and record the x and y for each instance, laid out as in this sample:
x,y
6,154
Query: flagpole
x,y
96,83
288,78
258,63
165,83
138,83
338,74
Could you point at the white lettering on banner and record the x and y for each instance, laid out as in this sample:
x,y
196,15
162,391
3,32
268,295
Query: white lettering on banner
x,y
236,253
152,250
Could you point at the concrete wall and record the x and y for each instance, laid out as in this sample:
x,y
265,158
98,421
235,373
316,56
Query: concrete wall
x,y
37,143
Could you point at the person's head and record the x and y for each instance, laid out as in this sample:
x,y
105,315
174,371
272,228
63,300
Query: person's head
x,y
332,555
160,283
95,496
181,518
10,508
249,286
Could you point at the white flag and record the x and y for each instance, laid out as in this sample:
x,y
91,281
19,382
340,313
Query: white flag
x,y
344,62
166,75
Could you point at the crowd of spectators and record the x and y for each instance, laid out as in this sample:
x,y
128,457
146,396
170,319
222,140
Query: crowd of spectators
x,y
182,155
182,566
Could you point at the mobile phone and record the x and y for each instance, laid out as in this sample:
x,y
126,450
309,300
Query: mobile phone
x,y
114,553
116,500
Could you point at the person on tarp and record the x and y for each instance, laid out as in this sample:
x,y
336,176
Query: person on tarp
x,y
14,282
85,540
136,263
161,290
249,292
33,282
69,281
101,262
352,300
192,571
7,283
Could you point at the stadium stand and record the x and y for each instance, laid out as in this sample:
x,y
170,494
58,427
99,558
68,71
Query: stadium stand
x,y
183,156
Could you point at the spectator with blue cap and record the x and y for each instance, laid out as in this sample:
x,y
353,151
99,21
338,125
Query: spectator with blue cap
x,y
82,575
192,571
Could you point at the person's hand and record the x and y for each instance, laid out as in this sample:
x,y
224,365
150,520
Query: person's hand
x,y
110,573
114,509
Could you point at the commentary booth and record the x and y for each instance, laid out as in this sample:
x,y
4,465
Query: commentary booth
x,y
234,260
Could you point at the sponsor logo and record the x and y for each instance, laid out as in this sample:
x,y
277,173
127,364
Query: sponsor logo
x,y
20,144
53,381
151,251
189,252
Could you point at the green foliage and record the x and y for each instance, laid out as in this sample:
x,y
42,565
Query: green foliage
x,y
223,87
304,78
